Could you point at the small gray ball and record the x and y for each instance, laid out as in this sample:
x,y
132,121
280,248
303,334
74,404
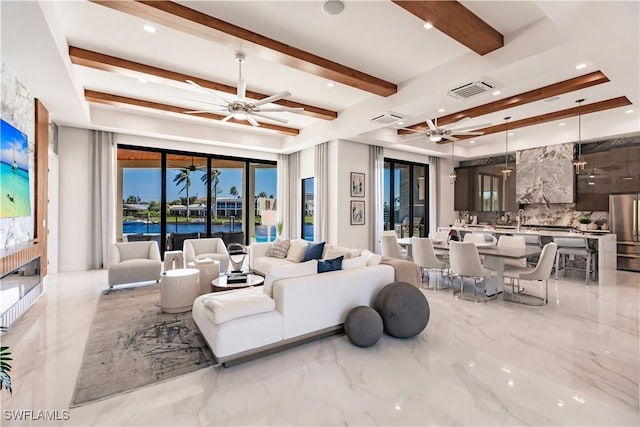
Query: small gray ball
x,y
363,326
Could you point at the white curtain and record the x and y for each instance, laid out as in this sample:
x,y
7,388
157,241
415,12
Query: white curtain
x,y
321,214
103,196
434,193
376,205
289,189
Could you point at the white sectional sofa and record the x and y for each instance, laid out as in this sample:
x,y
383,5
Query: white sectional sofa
x,y
295,305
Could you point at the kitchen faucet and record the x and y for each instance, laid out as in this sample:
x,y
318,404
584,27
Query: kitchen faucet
x,y
520,215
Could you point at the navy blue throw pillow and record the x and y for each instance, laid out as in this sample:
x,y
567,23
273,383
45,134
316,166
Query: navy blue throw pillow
x,y
330,264
313,251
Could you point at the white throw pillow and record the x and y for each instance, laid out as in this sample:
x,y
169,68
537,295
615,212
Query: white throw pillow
x,y
233,305
372,259
333,251
356,262
287,271
296,250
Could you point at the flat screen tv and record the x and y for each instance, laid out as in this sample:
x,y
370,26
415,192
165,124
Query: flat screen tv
x,y
15,194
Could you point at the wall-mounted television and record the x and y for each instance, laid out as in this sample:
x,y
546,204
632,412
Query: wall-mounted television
x,y
17,186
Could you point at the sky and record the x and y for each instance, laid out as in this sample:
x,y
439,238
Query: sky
x,y
14,144
145,183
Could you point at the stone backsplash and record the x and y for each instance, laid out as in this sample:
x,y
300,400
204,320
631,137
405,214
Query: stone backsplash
x,y
560,214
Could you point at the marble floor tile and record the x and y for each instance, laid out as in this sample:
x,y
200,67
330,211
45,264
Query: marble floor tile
x,y
573,362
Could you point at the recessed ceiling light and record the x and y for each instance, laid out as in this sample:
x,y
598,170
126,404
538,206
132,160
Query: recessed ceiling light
x,y
560,403
333,7
330,84
143,80
561,124
592,176
511,133
441,110
592,183
400,123
629,111
472,142
149,28
428,25
496,93
581,66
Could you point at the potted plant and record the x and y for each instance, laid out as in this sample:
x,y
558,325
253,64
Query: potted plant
x,y
279,228
584,222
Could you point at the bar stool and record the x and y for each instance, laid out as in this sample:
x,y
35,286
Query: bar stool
x,y
574,246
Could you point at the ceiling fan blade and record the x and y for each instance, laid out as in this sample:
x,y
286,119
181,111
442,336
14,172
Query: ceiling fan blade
x,y
420,131
275,119
272,98
205,89
431,125
279,109
204,111
253,121
229,117
242,89
480,126
412,137
449,137
466,133
197,100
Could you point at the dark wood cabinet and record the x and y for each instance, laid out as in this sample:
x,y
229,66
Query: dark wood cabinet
x,y
483,189
464,191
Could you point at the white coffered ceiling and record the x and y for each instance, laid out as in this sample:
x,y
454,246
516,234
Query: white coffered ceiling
x,y
543,43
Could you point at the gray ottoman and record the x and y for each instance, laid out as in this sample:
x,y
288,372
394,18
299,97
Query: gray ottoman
x,y
363,326
403,308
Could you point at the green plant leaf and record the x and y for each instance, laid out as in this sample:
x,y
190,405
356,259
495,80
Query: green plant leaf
x,y
5,380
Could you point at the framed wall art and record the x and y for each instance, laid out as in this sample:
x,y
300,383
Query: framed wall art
x,y
357,212
357,184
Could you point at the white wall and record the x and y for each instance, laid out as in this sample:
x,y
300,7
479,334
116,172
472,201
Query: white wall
x,y
446,214
74,203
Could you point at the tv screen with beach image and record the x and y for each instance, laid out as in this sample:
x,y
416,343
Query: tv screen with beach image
x,y
15,200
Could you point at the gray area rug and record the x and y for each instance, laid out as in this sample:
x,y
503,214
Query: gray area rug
x,y
132,344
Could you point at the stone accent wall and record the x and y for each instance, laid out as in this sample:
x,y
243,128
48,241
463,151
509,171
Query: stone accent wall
x,y
545,175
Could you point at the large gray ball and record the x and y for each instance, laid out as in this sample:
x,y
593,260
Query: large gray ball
x,y
363,326
403,308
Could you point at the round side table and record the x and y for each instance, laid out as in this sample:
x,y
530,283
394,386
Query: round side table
x,y
220,284
209,270
178,289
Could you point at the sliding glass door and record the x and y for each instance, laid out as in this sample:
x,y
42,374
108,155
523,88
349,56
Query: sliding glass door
x,y
406,196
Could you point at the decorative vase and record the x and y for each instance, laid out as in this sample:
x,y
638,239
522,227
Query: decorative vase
x,y
592,226
604,226
583,227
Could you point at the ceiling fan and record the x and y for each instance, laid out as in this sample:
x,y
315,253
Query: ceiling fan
x,y
437,134
242,108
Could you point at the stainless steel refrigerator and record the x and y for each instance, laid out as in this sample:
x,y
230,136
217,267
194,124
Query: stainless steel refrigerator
x,y
624,214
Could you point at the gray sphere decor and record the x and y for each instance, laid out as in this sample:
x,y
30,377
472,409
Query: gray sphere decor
x,y
403,308
363,326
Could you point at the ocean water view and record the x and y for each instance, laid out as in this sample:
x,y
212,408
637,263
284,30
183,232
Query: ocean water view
x,y
14,187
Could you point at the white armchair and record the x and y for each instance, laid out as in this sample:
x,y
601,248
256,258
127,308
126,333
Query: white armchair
x,y
213,248
131,262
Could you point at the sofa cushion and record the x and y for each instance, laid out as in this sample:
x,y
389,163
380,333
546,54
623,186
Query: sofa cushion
x,y
296,250
372,259
264,263
287,271
279,249
227,306
313,251
334,251
356,262
327,265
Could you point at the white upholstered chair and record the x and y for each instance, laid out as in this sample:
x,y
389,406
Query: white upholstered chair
x,y
465,262
513,242
425,257
213,248
542,271
131,262
389,246
474,238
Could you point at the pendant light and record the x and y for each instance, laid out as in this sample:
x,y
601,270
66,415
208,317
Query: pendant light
x,y
506,172
627,177
452,175
579,163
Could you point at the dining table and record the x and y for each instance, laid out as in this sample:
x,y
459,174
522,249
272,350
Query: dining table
x,y
494,259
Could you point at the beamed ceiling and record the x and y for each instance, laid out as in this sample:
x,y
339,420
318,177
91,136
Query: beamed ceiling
x,y
109,73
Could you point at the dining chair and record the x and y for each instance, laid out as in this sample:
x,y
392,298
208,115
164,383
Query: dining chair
x,y
425,256
513,242
531,240
574,246
439,236
540,272
389,246
465,262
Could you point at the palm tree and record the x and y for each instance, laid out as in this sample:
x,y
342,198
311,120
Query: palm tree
x,y
182,177
233,191
214,178
262,194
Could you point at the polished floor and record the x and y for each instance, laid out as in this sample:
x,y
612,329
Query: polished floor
x,y
573,362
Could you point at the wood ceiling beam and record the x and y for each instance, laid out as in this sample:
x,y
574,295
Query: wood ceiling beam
x,y
117,100
549,117
560,88
458,22
190,21
117,65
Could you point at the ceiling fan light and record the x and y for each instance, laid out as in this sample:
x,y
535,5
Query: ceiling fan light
x,y
239,115
435,138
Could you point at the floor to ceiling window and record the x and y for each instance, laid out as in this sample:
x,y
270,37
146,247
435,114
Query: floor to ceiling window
x,y
163,192
308,208
263,187
405,198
